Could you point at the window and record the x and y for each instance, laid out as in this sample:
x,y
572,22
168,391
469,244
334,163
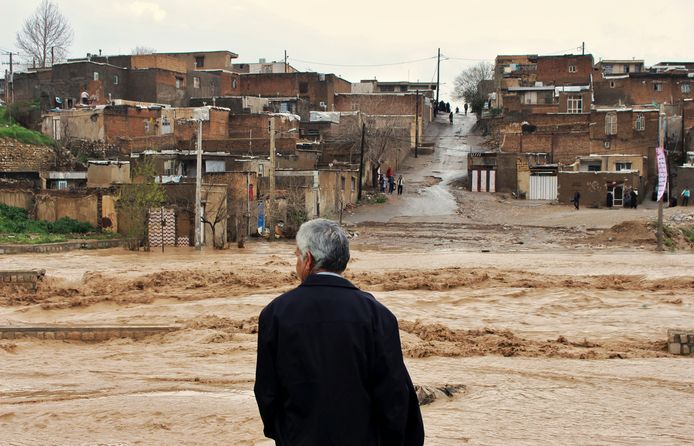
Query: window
x,y
686,87
199,61
657,86
354,184
612,84
607,69
640,123
623,166
342,184
196,82
234,83
261,169
179,82
572,68
594,167
147,126
611,123
169,167
303,87
574,104
95,76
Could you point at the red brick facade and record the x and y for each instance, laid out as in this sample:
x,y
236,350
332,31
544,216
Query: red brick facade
x,y
318,89
564,70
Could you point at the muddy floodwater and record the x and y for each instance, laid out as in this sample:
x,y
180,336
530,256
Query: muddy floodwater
x,y
552,347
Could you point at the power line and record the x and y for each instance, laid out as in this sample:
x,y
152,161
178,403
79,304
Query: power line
x,y
362,65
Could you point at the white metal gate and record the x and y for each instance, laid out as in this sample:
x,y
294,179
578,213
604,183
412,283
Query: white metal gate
x,y
543,187
483,180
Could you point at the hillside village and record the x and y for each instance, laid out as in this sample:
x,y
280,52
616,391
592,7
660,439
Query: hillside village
x,y
274,146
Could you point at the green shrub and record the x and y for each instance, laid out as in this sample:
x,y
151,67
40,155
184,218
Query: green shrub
x,y
17,226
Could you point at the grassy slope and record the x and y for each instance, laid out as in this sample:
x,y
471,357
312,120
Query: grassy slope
x,y
10,129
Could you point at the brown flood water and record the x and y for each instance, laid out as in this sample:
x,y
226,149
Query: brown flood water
x,y
560,347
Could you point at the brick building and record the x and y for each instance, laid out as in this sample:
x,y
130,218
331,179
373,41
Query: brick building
x,y
644,88
317,88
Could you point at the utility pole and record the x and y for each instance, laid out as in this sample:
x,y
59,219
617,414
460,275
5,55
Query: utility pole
x,y
361,160
198,190
583,48
438,78
271,202
416,124
52,55
285,61
661,144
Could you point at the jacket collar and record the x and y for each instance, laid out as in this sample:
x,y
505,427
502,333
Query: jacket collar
x,y
327,280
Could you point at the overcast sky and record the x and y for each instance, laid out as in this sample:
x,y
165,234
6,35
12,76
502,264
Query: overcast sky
x,y
337,36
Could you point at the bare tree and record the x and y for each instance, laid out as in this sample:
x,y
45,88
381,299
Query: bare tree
x,y
142,50
468,84
46,35
215,215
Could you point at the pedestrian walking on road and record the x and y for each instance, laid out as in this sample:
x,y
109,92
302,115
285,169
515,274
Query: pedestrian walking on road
x,y
577,199
450,117
634,198
329,367
685,196
391,184
401,183
465,107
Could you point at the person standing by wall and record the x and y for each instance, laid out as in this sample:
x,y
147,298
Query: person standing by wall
x,y
401,184
685,196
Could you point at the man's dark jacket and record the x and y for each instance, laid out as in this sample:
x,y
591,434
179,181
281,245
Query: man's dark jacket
x,y
330,370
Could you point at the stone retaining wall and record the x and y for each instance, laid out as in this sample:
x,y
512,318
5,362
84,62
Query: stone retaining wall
x,y
680,342
25,279
60,247
84,333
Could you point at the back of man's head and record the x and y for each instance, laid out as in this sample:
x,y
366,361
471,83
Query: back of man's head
x,y
327,243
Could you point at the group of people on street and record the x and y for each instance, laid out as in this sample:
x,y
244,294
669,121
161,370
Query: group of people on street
x,y
388,182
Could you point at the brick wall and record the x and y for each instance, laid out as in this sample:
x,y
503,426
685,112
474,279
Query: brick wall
x,y
19,157
314,87
129,122
628,140
555,69
639,89
593,186
378,104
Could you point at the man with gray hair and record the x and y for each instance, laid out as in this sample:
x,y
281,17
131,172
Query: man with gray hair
x,y
330,369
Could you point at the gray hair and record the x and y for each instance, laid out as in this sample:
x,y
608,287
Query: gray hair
x,y
327,243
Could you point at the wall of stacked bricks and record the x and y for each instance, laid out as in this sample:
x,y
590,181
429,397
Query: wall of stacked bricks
x,y
18,157
62,247
681,342
24,279
640,90
555,70
288,85
131,122
593,186
628,140
84,334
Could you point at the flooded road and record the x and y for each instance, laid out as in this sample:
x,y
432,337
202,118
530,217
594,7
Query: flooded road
x,y
552,347
428,179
